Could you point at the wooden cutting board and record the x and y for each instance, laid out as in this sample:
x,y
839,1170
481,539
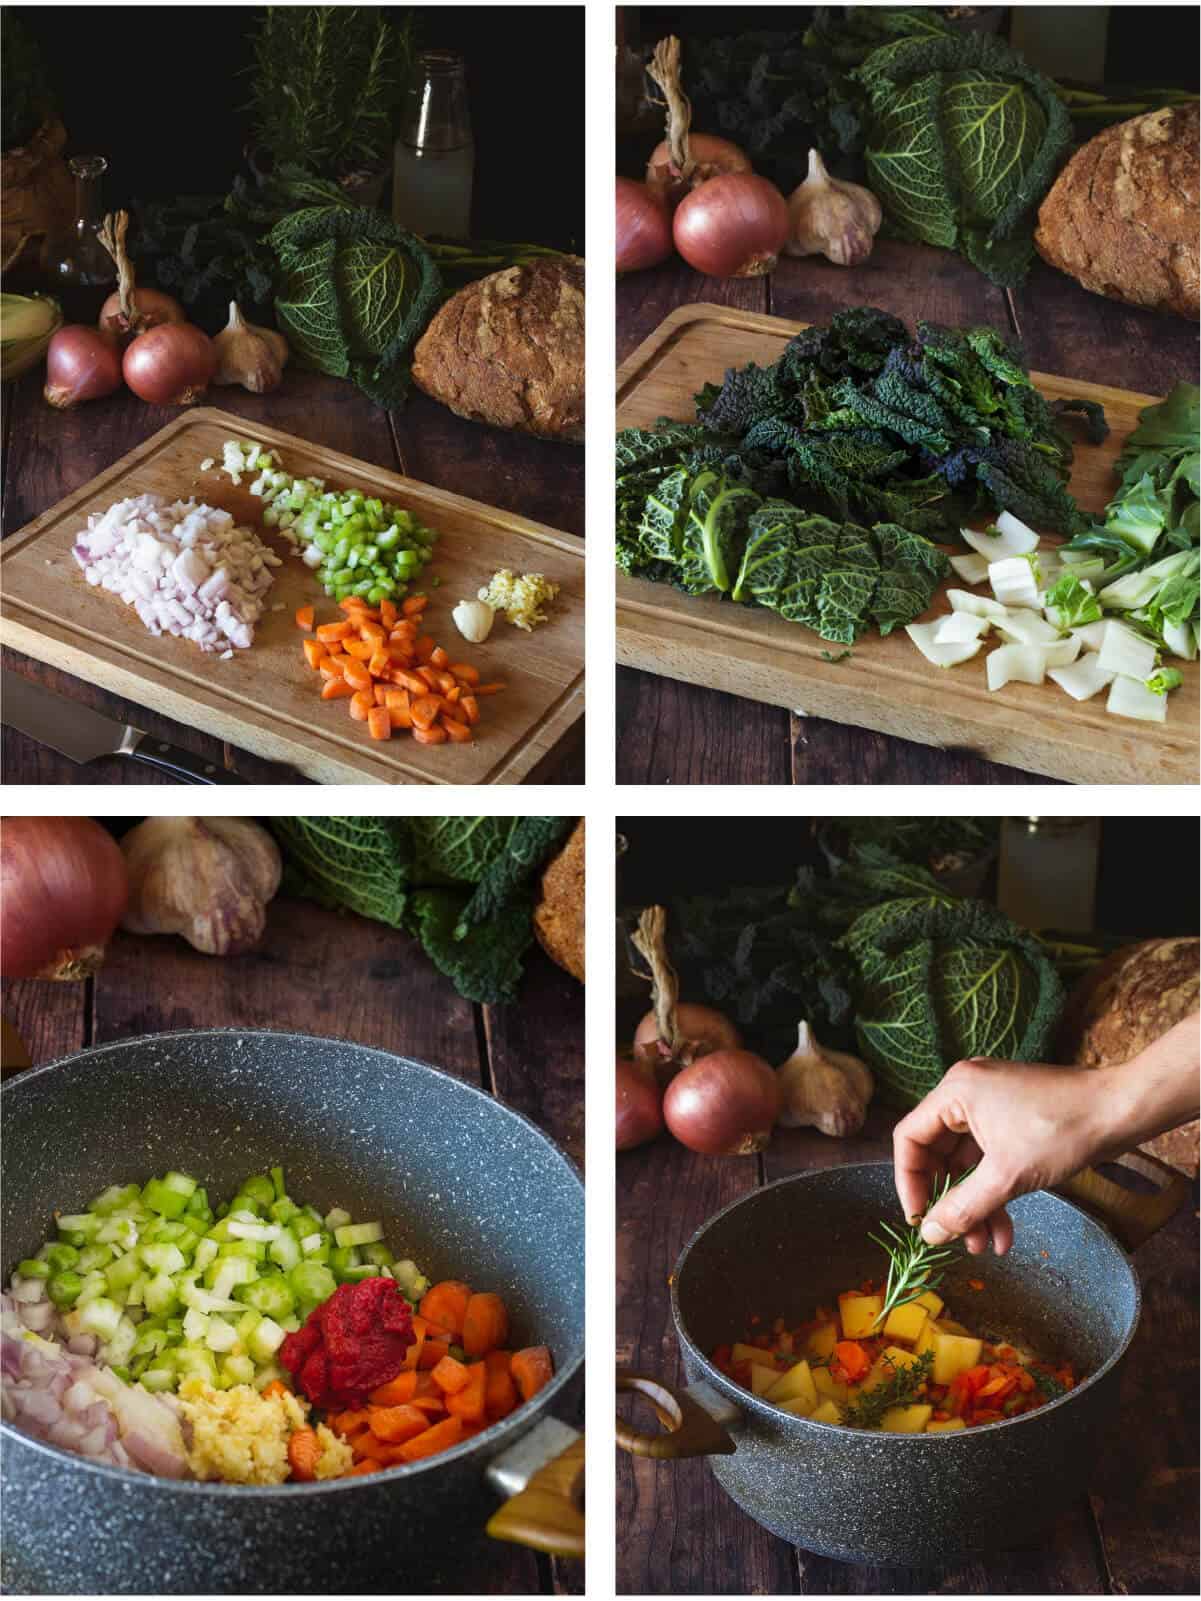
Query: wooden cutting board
x,y
884,684
265,699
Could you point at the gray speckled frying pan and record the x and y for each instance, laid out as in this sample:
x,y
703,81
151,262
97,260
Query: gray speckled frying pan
x,y
1066,1290
463,1185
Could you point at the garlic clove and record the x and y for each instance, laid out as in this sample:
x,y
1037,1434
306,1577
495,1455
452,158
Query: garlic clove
x,y
248,355
821,1088
832,218
473,619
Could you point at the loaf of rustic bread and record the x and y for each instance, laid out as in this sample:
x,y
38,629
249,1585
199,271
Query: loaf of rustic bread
x,y
509,350
1122,217
559,915
1128,1002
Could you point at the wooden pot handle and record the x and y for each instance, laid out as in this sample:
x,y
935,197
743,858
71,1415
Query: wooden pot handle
x,y
548,1515
1133,1216
691,1431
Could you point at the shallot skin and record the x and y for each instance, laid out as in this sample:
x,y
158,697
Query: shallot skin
x,y
725,1104
643,227
732,227
81,364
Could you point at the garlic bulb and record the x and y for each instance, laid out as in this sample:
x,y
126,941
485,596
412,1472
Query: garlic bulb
x,y
207,878
473,619
828,1089
247,355
831,218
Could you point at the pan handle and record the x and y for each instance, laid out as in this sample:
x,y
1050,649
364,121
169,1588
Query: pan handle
x,y
1133,1216
692,1428
543,1478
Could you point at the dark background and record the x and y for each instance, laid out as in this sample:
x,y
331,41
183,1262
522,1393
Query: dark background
x,y
162,92
1146,885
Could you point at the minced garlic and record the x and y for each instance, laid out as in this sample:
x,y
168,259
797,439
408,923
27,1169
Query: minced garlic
x,y
520,597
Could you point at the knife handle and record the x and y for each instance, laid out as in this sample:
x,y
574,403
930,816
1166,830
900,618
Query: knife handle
x,y
181,764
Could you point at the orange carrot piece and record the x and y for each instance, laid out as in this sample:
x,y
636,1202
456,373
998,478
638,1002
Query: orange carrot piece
x,y
328,632
500,1393
432,1351
531,1368
359,649
379,723
303,1452
314,652
410,681
387,613
369,1446
423,647
304,618
355,606
380,662
446,682
438,657
414,605
397,1392
450,1375
491,689
381,692
365,1466
470,707
429,675
425,710
373,633
348,1424
330,666
357,675
485,1324
361,703
468,1403
399,709
396,1424
276,1387
852,1358
336,689
465,672
440,1438
434,735
445,1303
457,733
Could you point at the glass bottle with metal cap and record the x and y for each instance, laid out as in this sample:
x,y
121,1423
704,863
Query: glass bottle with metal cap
x,y
82,273
435,154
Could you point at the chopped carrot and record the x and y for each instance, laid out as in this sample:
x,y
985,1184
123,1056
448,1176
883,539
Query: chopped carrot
x,y
423,647
361,703
348,1424
425,711
304,617
336,689
490,689
276,1387
435,1404
469,1402
357,675
396,1424
373,633
303,1453
435,735
380,662
446,1303
379,723
438,657
397,1392
450,1375
446,682
355,606
410,681
851,1357
470,707
400,714
314,652
414,605
387,613
500,1394
485,1324
329,666
381,693
328,632
370,1446
429,676
440,1438
459,733
465,672
359,649
531,1369
433,1351
366,1466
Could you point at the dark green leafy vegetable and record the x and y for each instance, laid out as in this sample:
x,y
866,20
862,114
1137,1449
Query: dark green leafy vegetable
x,y
27,96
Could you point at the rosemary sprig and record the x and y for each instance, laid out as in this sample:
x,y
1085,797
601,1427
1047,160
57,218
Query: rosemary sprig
x,y
912,1263
904,1386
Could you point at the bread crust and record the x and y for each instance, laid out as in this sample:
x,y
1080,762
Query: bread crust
x,y
559,915
1122,218
509,350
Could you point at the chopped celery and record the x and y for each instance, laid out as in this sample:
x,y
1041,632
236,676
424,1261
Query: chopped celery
x,y
359,1234
60,1257
63,1289
85,1223
31,1268
100,1317
336,1218
312,1282
271,1296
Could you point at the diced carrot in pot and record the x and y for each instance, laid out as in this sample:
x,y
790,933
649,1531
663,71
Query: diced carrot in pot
x,y
485,1324
445,1303
432,1353
440,1438
396,1424
500,1394
451,1375
532,1369
397,1392
468,1403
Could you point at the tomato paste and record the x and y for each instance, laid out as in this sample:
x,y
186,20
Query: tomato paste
x,y
351,1344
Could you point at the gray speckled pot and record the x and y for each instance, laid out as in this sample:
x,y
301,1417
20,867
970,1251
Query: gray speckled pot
x,y
466,1187
896,1498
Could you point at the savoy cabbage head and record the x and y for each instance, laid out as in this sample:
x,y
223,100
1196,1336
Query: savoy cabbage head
x,y
964,141
943,979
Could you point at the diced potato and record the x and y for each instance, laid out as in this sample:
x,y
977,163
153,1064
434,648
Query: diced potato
x,y
948,1325
822,1341
953,1354
906,1419
905,1322
827,1412
830,1388
925,1340
859,1314
800,1407
945,1428
886,1364
932,1303
762,1378
795,1385
747,1353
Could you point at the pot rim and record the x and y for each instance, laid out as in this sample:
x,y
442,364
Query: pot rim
x,y
494,1439
747,1402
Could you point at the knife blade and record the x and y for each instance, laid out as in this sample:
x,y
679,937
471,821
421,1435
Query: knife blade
x,y
81,734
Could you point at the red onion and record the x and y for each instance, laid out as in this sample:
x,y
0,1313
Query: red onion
x,y
704,1028
170,365
710,157
62,893
724,1105
732,227
81,364
151,308
639,1105
643,227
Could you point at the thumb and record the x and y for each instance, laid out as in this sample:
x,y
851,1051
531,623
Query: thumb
x,y
968,1204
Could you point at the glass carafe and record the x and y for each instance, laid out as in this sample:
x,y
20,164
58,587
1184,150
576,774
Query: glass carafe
x,y
435,156
82,273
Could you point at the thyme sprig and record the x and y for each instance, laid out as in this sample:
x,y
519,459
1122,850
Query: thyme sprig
x,y
904,1386
912,1264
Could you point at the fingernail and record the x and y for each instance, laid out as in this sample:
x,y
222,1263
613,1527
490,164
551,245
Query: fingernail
x,y
933,1232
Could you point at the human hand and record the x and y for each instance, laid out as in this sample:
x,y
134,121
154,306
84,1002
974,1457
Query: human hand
x,y
1022,1125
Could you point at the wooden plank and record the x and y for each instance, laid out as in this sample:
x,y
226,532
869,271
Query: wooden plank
x,y
265,698
884,684
535,1052
671,732
51,1019
645,299
828,752
911,281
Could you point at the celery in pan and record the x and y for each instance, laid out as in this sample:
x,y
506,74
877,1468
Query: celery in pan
x,y
173,1289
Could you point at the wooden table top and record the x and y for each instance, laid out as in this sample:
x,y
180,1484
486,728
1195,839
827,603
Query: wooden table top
x,y
347,977
1134,1534
48,453
676,733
